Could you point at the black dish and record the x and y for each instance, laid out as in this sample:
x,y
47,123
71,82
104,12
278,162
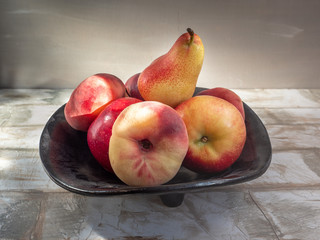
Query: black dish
x,y
68,162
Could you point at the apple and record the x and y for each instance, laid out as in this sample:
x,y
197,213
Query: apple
x,y
148,144
132,87
217,133
100,130
227,95
90,97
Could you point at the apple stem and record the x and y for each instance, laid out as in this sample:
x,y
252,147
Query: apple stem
x,y
191,33
204,139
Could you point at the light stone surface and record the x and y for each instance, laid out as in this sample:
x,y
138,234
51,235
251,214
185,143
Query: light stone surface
x,y
283,203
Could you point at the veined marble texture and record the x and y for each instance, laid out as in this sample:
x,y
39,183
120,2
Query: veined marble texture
x,y
284,203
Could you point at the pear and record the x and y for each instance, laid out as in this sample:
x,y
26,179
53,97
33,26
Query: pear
x,y
172,78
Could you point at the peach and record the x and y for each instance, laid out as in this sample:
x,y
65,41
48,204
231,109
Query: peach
x,y
148,144
227,95
217,133
132,87
90,97
100,130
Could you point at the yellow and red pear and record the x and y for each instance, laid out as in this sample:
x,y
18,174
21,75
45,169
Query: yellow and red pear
x,y
172,78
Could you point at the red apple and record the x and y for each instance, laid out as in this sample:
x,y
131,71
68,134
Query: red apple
x,y
148,144
227,95
132,87
217,133
99,132
90,97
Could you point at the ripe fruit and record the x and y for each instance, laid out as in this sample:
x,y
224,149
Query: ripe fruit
x,y
172,78
132,87
90,97
148,144
99,132
227,95
217,133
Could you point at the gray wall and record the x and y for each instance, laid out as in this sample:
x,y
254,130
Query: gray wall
x,y
248,43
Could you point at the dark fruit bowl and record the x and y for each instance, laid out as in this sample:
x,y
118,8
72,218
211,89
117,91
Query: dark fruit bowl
x,y
68,162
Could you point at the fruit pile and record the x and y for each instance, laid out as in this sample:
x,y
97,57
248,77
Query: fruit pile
x,y
143,131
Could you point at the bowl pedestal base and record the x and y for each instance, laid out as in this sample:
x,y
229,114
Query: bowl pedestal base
x,y
172,199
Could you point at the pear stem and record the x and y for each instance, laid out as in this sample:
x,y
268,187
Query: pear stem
x,y
191,33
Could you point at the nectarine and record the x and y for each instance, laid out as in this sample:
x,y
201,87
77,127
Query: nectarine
x,y
90,97
217,133
148,144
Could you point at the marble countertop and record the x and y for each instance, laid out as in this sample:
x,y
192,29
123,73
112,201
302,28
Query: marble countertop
x,y
284,203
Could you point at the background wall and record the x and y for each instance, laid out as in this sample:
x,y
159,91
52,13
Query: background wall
x,y
248,43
